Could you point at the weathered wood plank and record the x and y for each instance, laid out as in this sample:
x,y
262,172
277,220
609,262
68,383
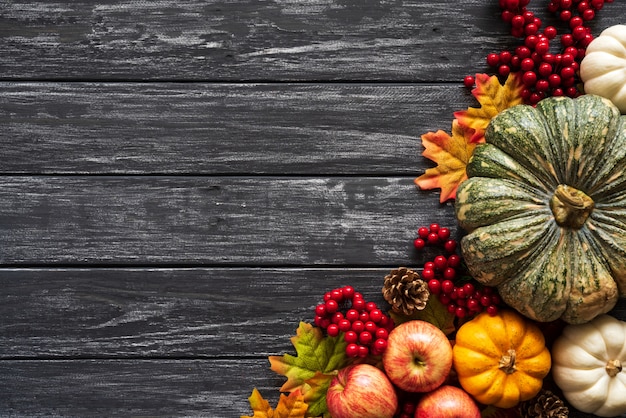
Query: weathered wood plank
x,y
132,388
139,128
154,220
169,313
414,40
197,312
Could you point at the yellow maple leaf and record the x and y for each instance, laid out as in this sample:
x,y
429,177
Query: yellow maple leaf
x,y
291,406
493,98
451,153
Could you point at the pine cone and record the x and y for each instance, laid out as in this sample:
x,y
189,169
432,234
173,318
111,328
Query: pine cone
x,y
405,291
545,405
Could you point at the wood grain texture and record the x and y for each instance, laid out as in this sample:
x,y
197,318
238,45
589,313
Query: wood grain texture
x,y
170,128
165,313
134,388
414,40
212,220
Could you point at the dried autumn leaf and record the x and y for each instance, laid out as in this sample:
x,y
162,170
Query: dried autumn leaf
x,y
292,406
493,99
451,153
315,353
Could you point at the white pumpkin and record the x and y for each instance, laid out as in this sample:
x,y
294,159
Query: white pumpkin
x,y
603,69
589,365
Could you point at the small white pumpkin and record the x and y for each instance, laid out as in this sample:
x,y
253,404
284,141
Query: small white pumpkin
x,y
603,69
589,365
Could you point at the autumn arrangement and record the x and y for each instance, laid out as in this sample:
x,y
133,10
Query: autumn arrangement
x,y
513,320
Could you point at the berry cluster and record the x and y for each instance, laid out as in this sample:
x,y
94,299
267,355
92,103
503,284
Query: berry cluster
x,y
434,235
447,278
543,72
365,326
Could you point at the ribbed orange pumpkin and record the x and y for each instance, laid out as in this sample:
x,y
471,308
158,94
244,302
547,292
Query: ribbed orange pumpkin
x,y
501,360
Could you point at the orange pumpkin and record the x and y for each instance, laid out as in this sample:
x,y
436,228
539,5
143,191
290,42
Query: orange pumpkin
x,y
501,360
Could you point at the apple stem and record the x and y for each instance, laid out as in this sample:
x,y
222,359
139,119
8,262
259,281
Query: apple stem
x,y
507,362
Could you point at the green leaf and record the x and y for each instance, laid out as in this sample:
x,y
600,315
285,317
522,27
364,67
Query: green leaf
x,y
434,312
317,361
315,353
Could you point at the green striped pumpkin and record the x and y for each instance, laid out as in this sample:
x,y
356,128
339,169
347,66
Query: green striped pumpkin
x,y
545,208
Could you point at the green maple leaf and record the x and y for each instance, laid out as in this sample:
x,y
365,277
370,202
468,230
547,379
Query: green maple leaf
x,y
317,361
315,353
434,312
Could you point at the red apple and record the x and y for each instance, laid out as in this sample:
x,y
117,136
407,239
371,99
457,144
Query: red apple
x,y
418,357
447,402
361,391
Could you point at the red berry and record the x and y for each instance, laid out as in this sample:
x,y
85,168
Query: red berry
x,y
492,310
382,333
441,262
473,305
351,336
527,64
365,337
554,80
428,274
522,52
376,315
518,21
419,244
358,303
444,299
333,330
358,326
363,351
485,300
460,312
352,315
545,69
434,228
348,292
370,306
529,78
468,288
344,325
567,72
542,85
352,350
452,308
444,233
450,246
423,232
468,81
550,32
364,316
337,295
320,310
371,327
531,29
434,286
380,345
433,238
447,286
454,261
331,306
449,273
493,60
336,317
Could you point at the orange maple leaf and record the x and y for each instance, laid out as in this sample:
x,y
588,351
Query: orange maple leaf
x,y
451,153
292,406
493,98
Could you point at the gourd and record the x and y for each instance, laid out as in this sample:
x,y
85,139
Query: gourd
x,y
589,366
501,360
545,208
603,69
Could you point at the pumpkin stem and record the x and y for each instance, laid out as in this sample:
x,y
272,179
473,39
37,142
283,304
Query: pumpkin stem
x,y
613,367
570,206
507,362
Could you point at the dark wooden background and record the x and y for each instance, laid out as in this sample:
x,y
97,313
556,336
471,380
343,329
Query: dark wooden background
x,y
180,181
